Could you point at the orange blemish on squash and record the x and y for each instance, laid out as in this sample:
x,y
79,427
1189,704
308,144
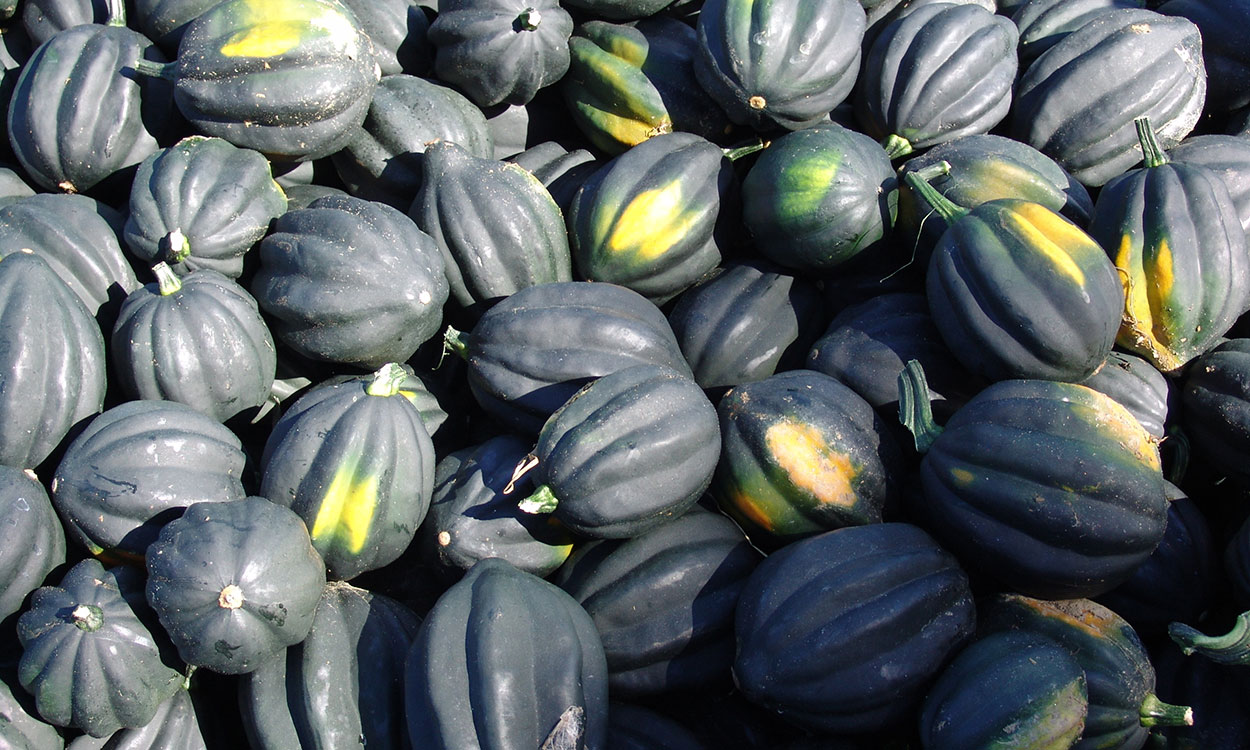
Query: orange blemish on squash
x,y
962,476
275,27
751,511
811,463
1083,614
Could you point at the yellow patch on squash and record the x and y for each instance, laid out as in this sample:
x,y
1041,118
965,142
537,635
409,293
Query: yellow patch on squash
x,y
1079,613
347,508
275,27
962,476
812,464
651,223
1053,236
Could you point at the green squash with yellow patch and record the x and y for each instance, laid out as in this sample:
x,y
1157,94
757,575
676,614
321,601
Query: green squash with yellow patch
x,y
801,453
353,458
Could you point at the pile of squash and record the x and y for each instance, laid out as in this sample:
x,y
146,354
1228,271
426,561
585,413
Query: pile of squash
x,y
625,374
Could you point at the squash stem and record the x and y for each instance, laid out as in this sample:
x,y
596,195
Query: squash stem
x,y
542,500
166,279
529,19
949,212
737,152
87,617
387,381
1156,713
914,409
1231,648
456,342
1152,154
156,69
176,246
116,10
896,146
933,171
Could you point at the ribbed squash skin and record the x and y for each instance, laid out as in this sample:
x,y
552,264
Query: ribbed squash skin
x,y
350,281
818,198
1007,689
842,632
801,453
471,518
632,727
342,685
1137,386
561,170
165,21
398,30
382,161
32,540
628,452
1077,102
42,19
622,10
175,725
1176,240
53,360
500,51
1053,489
88,660
234,583
745,322
1018,291
1042,23
79,114
651,218
200,342
663,601
218,197
1216,692
137,466
1229,157
533,350
1224,51
501,656
497,226
288,78
942,71
354,460
782,64
1215,406
23,728
78,237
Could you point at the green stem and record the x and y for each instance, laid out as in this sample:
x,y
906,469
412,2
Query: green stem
x,y
542,500
914,410
896,146
186,677
737,152
529,19
117,12
175,246
933,171
168,71
1231,648
387,381
456,341
87,617
1152,154
1156,713
949,211
166,279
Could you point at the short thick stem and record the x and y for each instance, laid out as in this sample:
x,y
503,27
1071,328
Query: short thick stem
x,y
387,381
166,279
1156,713
542,500
175,247
87,617
456,342
896,146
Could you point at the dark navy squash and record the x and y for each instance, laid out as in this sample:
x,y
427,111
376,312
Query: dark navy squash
x,y
1215,407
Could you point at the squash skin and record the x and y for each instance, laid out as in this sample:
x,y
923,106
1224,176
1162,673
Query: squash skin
x,y
165,21
1137,386
497,661
357,465
1228,156
1043,23
628,452
374,303
52,354
1215,406
32,540
748,59
1223,49
817,659
136,467
561,170
42,19
175,725
399,31
236,79
341,683
23,728
234,583
1075,102
233,359
89,661
218,197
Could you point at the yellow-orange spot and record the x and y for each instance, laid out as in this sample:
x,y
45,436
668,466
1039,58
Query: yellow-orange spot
x,y
652,222
347,508
275,27
1161,273
1083,614
1056,238
1119,423
962,476
751,511
1145,282
811,463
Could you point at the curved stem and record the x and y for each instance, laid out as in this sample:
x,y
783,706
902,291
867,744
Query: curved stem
x,y
456,342
166,279
1156,713
949,211
1231,648
387,381
542,500
1152,154
914,409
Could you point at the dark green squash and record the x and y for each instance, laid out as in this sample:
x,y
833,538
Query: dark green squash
x,y
288,78
843,632
23,730
351,281
1018,291
498,51
663,601
801,453
165,21
497,226
53,359
342,685
655,218
1224,51
1177,243
940,72
1042,23
1218,693
353,459
1233,646
399,31
626,453
1137,386
1229,157
201,203
636,727
175,725
533,350
89,661
1076,103
1118,673
1215,407
561,170
502,659
1007,689
819,198
78,113
1052,489
136,467
32,540
44,18
623,10
784,64
234,583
